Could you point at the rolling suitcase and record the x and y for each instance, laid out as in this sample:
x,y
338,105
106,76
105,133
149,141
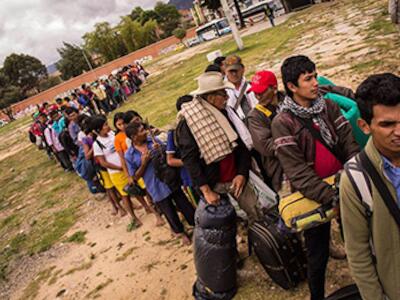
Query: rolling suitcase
x,y
280,253
349,292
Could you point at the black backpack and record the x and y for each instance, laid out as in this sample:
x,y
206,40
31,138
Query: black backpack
x,y
68,143
169,175
32,137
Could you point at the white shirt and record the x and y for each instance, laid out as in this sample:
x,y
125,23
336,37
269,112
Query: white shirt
x,y
234,95
107,150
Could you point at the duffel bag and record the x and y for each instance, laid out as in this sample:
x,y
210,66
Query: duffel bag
x,y
300,213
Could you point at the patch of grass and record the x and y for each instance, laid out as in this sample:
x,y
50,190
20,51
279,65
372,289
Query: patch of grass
x,y
63,221
366,65
126,254
150,266
84,266
54,278
93,293
78,237
33,288
11,220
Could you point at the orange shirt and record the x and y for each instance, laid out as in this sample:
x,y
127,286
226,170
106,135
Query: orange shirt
x,y
120,142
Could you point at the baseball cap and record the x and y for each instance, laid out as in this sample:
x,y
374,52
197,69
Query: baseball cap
x,y
233,62
262,80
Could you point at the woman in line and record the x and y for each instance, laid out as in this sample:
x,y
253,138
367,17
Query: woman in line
x,y
104,152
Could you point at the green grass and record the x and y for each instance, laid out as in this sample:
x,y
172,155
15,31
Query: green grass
x,y
43,201
78,237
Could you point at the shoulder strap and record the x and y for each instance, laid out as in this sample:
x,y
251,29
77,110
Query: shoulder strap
x,y
264,110
362,186
381,186
102,147
308,124
241,96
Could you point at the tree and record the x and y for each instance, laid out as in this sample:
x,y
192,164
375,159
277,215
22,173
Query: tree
x,y
49,82
8,95
168,17
179,33
105,41
72,62
24,71
135,35
136,14
394,11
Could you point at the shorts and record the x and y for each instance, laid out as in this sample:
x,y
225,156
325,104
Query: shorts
x,y
119,180
107,183
141,183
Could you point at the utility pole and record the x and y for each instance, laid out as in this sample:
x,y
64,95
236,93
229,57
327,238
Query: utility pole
x,y
232,24
87,60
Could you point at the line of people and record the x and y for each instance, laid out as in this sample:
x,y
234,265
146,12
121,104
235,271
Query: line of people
x,y
296,139
292,139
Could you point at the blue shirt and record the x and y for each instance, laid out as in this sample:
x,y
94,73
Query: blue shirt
x,y
171,149
73,130
59,125
157,189
393,173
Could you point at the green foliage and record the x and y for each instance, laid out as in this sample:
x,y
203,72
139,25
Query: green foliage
x,y
49,82
10,94
73,61
24,71
106,41
168,17
136,35
179,33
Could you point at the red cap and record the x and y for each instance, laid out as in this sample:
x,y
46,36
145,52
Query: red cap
x,y
262,80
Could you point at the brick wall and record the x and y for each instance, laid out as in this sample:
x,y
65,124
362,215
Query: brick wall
x,y
154,50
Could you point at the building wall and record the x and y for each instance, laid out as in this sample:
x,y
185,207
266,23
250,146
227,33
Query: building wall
x,y
153,50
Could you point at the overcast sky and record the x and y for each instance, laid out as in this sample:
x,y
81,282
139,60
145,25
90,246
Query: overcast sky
x,y
38,27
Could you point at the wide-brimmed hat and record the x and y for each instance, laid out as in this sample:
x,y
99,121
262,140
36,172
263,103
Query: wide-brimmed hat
x,y
211,82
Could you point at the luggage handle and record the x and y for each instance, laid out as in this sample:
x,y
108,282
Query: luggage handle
x,y
212,208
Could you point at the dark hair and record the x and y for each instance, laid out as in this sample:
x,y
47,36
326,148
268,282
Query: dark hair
x,y
67,99
129,115
63,107
97,122
219,61
118,116
70,110
377,89
42,115
59,100
132,129
74,95
53,112
83,123
45,103
293,67
213,68
182,100
83,86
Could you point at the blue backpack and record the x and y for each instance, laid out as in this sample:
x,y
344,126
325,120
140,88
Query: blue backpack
x,y
85,168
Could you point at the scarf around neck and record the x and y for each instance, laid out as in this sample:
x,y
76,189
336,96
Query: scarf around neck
x,y
313,112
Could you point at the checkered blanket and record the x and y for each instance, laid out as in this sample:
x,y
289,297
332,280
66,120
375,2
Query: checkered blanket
x,y
212,131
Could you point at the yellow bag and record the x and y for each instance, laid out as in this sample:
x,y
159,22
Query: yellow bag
x,y
300,213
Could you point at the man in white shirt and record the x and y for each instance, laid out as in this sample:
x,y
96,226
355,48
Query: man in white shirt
x,y
239,98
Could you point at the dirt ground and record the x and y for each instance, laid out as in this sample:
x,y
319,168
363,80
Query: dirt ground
x,y
148,263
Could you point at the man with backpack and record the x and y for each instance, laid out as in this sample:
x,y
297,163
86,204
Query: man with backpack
x,y
216,158
370,192
312,142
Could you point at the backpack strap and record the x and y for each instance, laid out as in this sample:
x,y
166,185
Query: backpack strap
x,y
241,96
362,186
383,190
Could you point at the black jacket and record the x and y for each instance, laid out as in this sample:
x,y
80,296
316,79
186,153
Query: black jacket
x,y
199,171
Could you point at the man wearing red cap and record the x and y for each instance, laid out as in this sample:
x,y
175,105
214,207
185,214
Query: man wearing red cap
x,y
264,85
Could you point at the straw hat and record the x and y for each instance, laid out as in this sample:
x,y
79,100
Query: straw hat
x,y
211,82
